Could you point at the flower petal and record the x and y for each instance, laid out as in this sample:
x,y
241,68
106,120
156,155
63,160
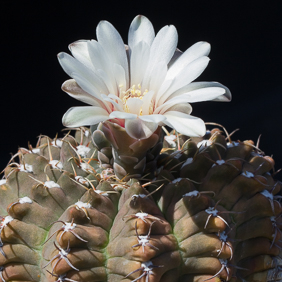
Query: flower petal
x,y
196,51
83,116
122,115
120,79
112,43
71,66
188,74
162,49
147,100
175,56
102,63
157,79
109,82
87,85
134,105
183,108
198,95
141,29
153,118
74,90
140,129
116,105
139,59
79,50
225,97
185,124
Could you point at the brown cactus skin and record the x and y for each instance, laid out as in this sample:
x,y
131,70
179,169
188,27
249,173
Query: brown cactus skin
x,y
209,213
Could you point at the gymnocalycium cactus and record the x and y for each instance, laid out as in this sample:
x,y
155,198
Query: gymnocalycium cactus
x,y
127,200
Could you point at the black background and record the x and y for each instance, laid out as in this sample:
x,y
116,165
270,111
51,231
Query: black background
x,y
246,40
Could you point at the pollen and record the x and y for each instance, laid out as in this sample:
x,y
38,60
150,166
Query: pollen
x,y
134,92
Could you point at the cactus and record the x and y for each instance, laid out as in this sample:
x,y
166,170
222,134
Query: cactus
x,y
210,211
126,200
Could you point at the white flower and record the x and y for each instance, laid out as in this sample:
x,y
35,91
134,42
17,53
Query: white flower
x,y
140,86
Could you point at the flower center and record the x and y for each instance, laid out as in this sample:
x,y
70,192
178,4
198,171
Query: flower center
x,y
134,92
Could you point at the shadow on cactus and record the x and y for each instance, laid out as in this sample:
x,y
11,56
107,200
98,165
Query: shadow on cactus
x,y
125,199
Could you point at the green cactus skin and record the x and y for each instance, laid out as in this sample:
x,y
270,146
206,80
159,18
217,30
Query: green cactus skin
x,y
216,215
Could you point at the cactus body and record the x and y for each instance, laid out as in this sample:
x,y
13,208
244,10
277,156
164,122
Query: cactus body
x,y
208,212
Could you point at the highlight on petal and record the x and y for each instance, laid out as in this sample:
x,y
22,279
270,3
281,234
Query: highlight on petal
x,y
112,43
141,29
185,124
72,66
140,129
187,75
153,118
162,49
79,50
225,97
134,105
74,90
116,105
183,108
83,116
139,60
196,51
122,115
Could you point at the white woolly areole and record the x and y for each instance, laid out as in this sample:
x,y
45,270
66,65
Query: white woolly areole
x,y
247,174
51,184
63,253
80,205
81,180
141,215
147,266
219,162
232,144
86,167
143,239
69,226
100,192
107,173
212,211
273,219
26,168
86,133
267,194
194,193
117,187
35,151
222,236
82,150
3,181
6,220
56,164
188,161
25,200
57,143
223,261
170,139
140,195
204,143
176,180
